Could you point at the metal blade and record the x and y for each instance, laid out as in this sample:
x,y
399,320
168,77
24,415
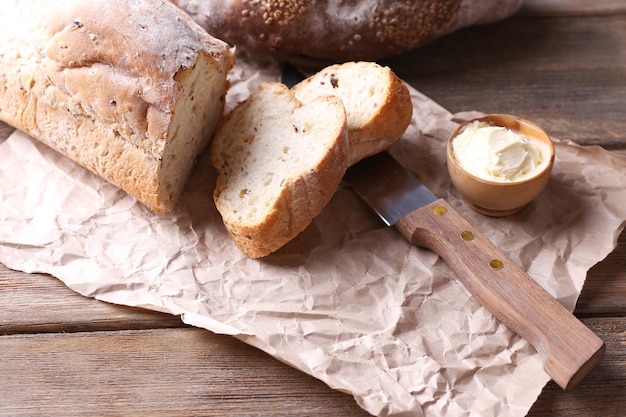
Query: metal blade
x,y
387,187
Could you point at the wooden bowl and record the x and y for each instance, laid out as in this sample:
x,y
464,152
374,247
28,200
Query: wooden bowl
x,y
495,198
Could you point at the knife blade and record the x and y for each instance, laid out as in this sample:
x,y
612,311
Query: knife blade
x,y
568,348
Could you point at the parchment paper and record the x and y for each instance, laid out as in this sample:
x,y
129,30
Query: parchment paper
x,y
349,301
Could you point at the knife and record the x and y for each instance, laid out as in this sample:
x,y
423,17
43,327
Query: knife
x,y
569,350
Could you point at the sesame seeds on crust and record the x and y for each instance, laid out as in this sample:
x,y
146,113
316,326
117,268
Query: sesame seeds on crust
x,y
348,27
335,30
279,12
406,22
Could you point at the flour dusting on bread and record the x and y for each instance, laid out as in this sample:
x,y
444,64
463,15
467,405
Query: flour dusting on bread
x,y
133,90
316,31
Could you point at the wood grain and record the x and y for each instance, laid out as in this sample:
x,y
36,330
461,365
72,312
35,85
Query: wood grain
x,y
560,63
565,74
165,372
39,303
568,348
157,372
538,8
603,392
604,293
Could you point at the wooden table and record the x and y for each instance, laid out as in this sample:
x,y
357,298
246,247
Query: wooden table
x,y
561,64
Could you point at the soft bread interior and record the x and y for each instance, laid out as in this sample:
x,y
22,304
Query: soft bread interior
x,y
132,92
362,88
279,163
378,104
271,142
195,119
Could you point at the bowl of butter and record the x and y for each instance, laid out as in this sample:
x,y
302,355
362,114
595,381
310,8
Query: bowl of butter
x,y
499,163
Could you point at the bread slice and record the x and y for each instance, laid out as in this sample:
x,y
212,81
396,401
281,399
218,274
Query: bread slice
x,y
378,104
279,163
132,89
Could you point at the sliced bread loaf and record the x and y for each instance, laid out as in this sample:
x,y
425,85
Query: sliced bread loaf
x,y
279,163
378,104
133,90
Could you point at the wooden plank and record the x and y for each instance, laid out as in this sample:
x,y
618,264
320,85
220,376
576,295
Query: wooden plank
x,y
566,74
604,293
164,372
155,373
33,303
603,391
539,8
548,64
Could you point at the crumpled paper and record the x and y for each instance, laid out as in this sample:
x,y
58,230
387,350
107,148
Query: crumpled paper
x,y
349,301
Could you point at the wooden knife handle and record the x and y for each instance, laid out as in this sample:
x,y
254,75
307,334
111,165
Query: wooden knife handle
x,y
569,349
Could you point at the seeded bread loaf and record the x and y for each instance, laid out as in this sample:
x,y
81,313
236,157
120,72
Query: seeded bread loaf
x,y
378,104
131,89
279,163
345,30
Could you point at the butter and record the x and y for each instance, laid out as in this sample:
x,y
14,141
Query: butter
x,y
496,153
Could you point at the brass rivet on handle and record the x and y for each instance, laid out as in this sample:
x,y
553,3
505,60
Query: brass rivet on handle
x,y
496,264
467,235
440,210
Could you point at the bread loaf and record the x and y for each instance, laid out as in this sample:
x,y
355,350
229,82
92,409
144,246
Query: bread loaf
x,y
336,30
279,163
378,104
131,89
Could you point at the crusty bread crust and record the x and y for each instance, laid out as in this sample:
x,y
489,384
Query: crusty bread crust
x,y
378,104
333,30
132,90
279,163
